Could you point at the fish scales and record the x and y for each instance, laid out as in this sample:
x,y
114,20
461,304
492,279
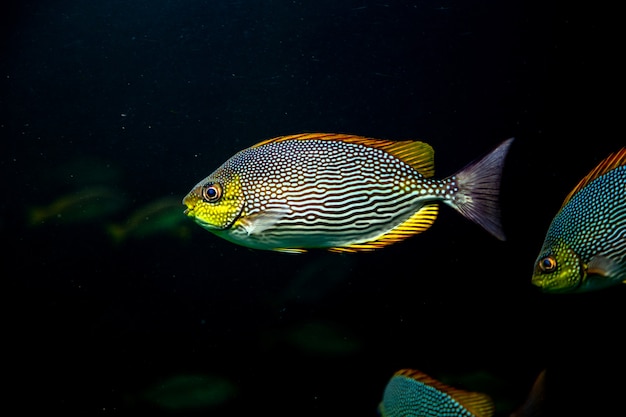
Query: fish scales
x,y
595,220
411,392
585,246
339,192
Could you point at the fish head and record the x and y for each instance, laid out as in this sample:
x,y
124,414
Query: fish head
x,y
558,269
216,202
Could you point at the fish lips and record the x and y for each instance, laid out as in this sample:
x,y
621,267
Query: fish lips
x,y
188,201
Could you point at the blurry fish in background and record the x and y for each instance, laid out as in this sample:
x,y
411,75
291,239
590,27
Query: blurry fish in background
x,y
534,406
585,245
410,392
159,217
320,338
189,392
339,192
90,204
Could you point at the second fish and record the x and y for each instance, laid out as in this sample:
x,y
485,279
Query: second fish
x,y
339,192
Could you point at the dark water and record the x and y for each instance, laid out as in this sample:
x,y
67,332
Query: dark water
x,y
147,97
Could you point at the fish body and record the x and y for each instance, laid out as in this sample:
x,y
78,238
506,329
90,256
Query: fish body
x,y
410,392
585,245
160,216
190,393
85,205
339,192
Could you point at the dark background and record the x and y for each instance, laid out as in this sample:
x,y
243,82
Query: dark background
x,y
162,92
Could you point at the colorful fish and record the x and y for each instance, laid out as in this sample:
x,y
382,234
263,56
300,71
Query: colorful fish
x,y
410,392
339,192
585,246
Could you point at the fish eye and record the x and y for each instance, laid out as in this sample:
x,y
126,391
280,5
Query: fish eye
x,y
547,264
211,192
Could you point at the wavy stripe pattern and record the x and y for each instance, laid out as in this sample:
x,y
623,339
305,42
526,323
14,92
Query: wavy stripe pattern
x,y
332,190
594,220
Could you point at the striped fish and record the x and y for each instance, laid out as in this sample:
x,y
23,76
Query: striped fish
x,y
339,192
410,392
585,245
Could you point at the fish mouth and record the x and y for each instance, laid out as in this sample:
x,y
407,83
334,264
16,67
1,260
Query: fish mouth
x,y
537,281
189,205
188,211
543,284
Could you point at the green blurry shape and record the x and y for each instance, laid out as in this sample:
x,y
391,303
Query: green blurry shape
x,y
161,216
186,392
90,204
322,338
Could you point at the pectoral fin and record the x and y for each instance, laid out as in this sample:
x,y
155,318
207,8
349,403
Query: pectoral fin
x,y
261,221
606,267
604,272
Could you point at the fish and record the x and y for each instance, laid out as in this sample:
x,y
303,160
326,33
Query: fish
x,y
160,216
585,245
190,392
88,204
340,192
322,339
411,392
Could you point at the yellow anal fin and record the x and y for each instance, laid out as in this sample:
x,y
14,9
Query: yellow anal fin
x,y
290,250
417,223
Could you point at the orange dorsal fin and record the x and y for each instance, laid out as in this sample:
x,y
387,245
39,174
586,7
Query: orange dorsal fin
x,y
609,163
419,155
477,403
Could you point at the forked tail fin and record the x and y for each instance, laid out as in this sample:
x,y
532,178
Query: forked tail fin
x,y
479,190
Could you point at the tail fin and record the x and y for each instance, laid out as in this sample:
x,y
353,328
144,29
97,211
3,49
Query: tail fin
x,y
479,190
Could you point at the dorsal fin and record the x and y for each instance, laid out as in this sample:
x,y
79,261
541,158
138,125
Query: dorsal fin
x,y
477,403
609,163
419,155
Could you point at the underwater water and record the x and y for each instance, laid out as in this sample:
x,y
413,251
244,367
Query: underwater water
x,y
116,302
